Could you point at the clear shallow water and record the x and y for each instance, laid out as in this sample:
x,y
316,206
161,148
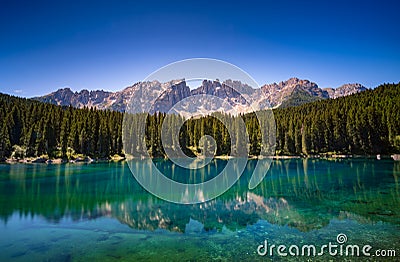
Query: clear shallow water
x,y
80,212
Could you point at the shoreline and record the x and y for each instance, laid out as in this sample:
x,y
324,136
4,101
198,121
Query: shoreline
x,y
87,160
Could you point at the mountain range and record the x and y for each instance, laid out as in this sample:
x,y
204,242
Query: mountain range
x,y
154,96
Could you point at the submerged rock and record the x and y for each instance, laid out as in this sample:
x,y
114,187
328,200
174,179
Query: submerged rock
x,y
194,227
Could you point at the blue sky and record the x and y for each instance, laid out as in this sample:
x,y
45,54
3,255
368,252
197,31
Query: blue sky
x,y
46,45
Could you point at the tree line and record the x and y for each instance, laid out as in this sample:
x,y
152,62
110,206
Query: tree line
x,y
364,123
32,129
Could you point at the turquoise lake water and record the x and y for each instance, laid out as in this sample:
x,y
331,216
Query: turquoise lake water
x,y
98,212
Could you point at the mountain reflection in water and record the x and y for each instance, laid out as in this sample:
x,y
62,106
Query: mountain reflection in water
x,y
301,193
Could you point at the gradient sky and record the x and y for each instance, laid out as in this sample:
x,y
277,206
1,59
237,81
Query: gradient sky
x,y
46,45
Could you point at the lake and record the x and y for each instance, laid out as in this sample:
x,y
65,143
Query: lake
x,y
91,212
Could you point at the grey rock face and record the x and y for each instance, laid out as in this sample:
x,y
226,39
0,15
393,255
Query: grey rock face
x,y
155,96
345,90
279,93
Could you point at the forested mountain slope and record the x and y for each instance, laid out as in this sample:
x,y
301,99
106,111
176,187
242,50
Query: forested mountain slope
x,y
362,123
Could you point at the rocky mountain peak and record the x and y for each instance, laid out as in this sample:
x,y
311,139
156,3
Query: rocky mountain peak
x,y
345,90
175,92
154,96
228,90
278,93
